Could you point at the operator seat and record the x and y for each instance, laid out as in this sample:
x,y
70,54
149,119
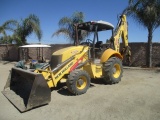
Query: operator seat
x,y
98,49
99,44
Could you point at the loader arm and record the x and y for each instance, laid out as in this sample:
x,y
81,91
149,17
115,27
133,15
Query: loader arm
x,y
121,31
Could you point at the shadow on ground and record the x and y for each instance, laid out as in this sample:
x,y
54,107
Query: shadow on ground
x,y
158,71
63,90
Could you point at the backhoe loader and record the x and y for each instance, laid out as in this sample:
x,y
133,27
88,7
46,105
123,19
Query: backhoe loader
x,y
74,65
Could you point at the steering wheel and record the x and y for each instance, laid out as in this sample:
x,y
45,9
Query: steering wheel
x,y
89,41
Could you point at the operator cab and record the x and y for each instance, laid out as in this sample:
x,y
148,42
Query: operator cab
x,y
95,27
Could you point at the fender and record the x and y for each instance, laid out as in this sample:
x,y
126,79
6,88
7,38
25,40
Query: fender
x,y
108,53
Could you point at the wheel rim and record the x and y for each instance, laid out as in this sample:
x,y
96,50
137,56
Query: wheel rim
x,y
81,83
116,71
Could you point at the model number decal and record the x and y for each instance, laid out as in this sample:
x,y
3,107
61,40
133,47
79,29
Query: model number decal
x,y
59,74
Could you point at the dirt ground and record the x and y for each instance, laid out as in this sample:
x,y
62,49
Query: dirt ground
x,y
136,97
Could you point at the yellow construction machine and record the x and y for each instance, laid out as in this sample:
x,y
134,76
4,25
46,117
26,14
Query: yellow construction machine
x,y
75,65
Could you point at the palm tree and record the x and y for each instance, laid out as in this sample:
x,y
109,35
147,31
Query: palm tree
x,y
147,14
6,39
67,27
26,27
7,26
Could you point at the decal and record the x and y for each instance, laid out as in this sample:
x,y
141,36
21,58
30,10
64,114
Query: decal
x,y
63,70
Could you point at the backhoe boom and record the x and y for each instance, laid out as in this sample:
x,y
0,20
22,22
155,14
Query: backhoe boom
x,y
121,31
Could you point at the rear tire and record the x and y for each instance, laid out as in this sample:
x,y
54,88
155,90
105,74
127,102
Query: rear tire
x,y
78,82
112,70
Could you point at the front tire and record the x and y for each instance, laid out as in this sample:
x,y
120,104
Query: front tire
x,y
112,70
78,82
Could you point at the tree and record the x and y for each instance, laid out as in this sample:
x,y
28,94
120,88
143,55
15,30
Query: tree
x,y
147,14
26,27
7,26
6,39
67,27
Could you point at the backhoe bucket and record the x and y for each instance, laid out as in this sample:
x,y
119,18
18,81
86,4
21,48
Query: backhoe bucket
x,y
26,90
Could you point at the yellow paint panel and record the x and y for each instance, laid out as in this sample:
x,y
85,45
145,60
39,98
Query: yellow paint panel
x,y
50,83
108,53
93,70
68,52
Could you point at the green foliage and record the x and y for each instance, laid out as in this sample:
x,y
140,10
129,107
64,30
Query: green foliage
x,y
8,25
26,27
21,30
145,12
67,28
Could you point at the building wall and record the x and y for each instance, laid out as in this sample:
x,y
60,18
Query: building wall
x,y
138,58
8,52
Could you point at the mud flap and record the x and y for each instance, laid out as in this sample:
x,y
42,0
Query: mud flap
x,y
26,90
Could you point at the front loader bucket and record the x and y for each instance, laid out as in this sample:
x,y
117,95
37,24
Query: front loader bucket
x,y
26,90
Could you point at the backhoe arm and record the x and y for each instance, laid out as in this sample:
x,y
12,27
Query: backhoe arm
x,y
121,31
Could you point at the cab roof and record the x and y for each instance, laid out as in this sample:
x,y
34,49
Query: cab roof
x,y
91,26
35,46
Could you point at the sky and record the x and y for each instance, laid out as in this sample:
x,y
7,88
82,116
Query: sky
x,y
51,11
